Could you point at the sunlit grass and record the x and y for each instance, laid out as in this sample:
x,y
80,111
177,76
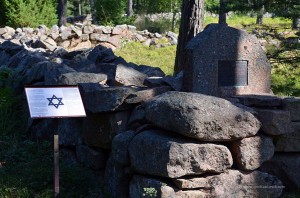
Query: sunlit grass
x,y
240,21
137,53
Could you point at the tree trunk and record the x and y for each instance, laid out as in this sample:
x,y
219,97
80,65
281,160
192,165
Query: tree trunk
x,y
174,11
93,11
260,16
190,25
79,8
62,12
296,23
222,12
129,11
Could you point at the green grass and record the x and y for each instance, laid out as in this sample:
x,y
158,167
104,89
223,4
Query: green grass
x,y
26,167
27,171
158,57
241,21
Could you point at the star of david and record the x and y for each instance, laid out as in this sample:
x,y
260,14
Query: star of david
x,y
59,101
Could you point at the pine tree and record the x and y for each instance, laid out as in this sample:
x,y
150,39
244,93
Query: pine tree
x,y
191,24
30,13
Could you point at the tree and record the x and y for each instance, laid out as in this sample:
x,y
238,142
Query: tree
x,y
41,12
192,12
222,7
110,11
93,11
129,10
289,9
222,12
62,12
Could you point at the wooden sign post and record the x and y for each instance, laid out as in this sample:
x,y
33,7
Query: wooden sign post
x,y
55,102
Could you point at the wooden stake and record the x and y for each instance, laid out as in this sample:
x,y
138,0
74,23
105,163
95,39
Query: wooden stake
x,y
56,167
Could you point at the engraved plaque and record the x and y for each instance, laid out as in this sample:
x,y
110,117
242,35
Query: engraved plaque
x,y
232,73
54,102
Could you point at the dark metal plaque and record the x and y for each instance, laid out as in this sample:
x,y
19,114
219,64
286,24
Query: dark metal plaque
x,y
232,73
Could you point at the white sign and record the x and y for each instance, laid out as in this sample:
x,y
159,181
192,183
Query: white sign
x,y
45,102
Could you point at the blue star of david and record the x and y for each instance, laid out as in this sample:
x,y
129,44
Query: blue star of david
x,y
59,101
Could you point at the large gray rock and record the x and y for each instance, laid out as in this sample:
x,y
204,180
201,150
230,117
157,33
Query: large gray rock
x,y
286,167
7,30
120,144
70,131
94,159
128,76
143,187
150,71
117,179
235,184
290,142
154,152
260,100
4,57
292,105
137,117
201,117
75,78
43,129
274,122
100,129
231,184
147,94
123,74
46,43
101,54
249,153
99,99
174,82
224,61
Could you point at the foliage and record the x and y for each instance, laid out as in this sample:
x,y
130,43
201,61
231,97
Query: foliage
x,y
285,68
41,12
160,6
110,11
150,192
248,22
156,6
2,14
286,8
11,112
142,55
160,25
73,10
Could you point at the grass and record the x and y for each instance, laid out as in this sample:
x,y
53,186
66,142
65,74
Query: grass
x,y
26,167
241,21
27,171
142,55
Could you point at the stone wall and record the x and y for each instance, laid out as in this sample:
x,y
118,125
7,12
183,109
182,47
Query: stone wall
x,y
81,36
150,139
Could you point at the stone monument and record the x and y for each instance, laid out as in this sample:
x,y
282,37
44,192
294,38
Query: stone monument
x,y
224,61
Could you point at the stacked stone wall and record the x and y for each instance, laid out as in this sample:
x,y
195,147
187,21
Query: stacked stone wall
x,y
79,36
151,140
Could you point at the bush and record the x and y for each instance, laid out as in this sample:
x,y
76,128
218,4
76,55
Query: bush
x,y
110,11
30,13
160,24
12,115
